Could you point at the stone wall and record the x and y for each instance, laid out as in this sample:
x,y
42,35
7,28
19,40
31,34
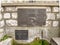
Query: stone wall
x,y
9,22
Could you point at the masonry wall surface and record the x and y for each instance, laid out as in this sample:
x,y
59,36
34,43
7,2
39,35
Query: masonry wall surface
x,y
9,22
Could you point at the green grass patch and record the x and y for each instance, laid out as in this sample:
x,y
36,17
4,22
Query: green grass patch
x,y
35,42
39,42
5,37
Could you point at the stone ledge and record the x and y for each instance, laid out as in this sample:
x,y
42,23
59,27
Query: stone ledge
x,y
56,40
42,3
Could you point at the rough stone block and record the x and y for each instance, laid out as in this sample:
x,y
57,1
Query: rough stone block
x,y
58,16
3,1
59,9
50,16
48,9
33,33
55,9
9,1
14,15
55,23
6,15
1,30
48,23
0,16
11,22
53,32
15,1
10,31
1,35
2,23
2,9
20,1
10,9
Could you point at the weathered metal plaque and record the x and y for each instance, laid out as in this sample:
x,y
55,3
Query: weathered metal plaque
x,y
31,17
21,34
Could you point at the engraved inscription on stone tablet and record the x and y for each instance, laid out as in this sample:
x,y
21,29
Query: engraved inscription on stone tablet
x,y
31,17
21,34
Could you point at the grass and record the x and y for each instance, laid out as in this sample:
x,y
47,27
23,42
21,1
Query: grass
x,y
15,43
39,42
35,42
4,38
